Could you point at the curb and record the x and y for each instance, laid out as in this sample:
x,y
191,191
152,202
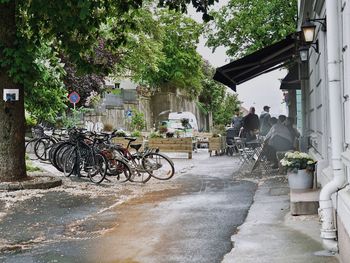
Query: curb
x,y
38,181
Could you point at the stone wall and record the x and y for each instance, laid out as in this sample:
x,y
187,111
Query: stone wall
x,y
152,107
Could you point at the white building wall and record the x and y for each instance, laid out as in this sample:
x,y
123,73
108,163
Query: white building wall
x,y
317,110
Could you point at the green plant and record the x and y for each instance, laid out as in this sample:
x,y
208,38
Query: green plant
x,y
219,129
120,133
73,118
298,161
136,134
137,120
153,135
30,120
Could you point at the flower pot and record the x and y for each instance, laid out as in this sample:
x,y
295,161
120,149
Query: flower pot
x,y
303,179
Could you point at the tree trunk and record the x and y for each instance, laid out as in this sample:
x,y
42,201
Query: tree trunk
x,y
12,151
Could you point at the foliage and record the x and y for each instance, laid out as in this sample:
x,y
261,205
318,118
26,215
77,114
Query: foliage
x,y
31,168
137,120
72,119
181,5
226,110
93,99
213,93
181,66
30,120
120,133
244,26
298,160
219,130
136,134
153,135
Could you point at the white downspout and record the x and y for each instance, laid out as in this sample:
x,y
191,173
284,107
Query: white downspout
x,y
328,230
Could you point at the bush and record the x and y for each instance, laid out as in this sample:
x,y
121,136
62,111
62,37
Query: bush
x,y
120,133
155,135
136,134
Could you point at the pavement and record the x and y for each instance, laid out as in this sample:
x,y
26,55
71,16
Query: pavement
x,y
269,233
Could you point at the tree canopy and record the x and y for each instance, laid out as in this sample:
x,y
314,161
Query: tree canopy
x,y
244,26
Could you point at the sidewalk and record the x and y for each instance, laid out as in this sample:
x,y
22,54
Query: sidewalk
x,y
271,235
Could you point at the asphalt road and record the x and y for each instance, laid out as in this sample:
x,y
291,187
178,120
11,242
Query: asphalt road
x,y
192,222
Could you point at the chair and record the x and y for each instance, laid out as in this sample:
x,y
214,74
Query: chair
x,y
246,154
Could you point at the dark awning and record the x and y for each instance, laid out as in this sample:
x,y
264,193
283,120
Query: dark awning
x,y
257,63
291,80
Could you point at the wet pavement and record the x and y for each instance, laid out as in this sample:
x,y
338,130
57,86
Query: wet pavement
x,y
190,218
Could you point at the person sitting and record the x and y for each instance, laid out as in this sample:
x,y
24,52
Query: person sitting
x,y
277,139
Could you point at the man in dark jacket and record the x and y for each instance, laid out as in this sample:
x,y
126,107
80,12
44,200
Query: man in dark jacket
x,y
250,125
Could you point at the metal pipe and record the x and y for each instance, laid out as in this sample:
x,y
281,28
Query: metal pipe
x,y
328,230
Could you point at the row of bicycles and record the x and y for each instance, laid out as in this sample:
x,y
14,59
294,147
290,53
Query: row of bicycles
x,y
94,155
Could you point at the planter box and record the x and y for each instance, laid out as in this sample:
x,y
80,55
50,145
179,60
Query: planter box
x,y
217,144
172,145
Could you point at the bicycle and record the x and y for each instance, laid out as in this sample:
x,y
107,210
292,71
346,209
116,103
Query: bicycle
x,y
147,164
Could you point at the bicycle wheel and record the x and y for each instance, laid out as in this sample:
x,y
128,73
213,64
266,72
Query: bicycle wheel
x,y
118,171
96,167
60,155
138,173
70,162
158,165
29,146
41,148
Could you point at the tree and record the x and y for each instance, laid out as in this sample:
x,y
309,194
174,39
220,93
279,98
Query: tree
x,y
200,6
213,93
181,66
223,115
25,28
244,26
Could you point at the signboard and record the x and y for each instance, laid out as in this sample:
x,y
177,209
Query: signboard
x,y
128,113
11,95
74,98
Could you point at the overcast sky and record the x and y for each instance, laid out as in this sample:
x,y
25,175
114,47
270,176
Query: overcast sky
x,y
258,92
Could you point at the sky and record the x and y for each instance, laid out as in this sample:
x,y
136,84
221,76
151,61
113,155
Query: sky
x,y
258,92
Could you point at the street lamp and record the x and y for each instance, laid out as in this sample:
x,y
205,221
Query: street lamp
x,y
304,53
309,29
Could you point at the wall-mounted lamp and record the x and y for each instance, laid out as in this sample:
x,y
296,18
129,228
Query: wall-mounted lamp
x,y
309,29
304,53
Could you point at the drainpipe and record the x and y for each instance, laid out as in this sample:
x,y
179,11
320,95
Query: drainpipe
x,y
328,230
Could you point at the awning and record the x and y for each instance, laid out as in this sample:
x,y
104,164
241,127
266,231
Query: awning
x,y
291,80
257,63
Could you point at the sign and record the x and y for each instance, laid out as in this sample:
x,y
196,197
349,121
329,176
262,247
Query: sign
x,y
11,95
74,97
128,113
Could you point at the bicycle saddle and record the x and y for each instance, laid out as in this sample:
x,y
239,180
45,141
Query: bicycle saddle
x,y
136,146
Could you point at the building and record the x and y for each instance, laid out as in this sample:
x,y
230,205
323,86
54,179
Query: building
x,y
318,95
326,114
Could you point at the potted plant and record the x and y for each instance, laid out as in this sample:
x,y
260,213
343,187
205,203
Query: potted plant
x,y
300,169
